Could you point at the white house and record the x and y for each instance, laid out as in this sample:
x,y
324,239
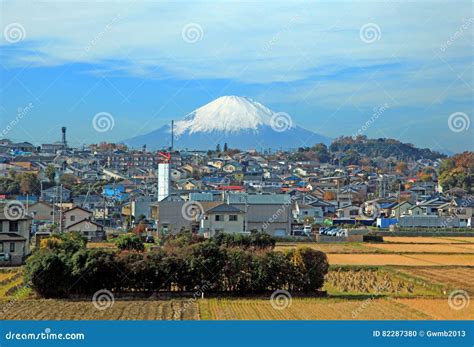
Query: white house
x,y
222,218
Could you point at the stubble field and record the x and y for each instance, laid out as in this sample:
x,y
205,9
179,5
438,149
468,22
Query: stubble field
x,y
404,278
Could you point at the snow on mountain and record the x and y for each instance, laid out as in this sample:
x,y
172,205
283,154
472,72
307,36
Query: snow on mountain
x,y
229,114
238,121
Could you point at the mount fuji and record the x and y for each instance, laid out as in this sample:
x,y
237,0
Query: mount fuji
x,y
238,121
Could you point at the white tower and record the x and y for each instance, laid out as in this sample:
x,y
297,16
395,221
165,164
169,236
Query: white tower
x,y
164,176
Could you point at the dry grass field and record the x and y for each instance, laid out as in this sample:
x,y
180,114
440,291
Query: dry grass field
x,y
333,309
327,247
407,239
422,248
404,260
451,277
43,309
241,309
403,278
438,309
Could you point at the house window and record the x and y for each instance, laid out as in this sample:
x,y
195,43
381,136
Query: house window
x,y
354,212
72,218
233,218
1,226
13,226
12,247
219,218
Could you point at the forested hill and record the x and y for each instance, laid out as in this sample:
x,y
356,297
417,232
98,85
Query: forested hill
x,y
382,147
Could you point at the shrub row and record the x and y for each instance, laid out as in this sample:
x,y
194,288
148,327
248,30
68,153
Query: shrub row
x,y
59,273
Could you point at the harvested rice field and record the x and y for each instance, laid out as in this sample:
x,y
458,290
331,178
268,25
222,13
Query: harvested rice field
x,y
423,248
404,260
327,247
49,309
422,239
241,309
451,277
332,309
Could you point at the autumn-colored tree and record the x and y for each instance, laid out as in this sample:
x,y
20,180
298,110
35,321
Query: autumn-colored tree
x,y
458,172
29,183
401,168
329,196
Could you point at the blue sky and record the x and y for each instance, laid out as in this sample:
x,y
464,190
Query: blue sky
x,y
330,65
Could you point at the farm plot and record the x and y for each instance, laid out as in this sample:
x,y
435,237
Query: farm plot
x,y
10,281
404,260
377,282
454,278
424,239
438,309
423,248
331,309
240,309
328,247
49,309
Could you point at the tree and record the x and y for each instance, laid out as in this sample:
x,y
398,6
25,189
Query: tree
x,y
129,242
328,196
225,147
50,173
350,157
218,148
458,172
29,183
321,153
68,180
49,273
401,168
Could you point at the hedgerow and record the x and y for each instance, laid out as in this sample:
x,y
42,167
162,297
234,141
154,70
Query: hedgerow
x,y
212,264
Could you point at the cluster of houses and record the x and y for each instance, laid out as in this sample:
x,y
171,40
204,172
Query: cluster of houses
x,y
209,192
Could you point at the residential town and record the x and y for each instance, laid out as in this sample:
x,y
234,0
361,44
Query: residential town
x,y
106,189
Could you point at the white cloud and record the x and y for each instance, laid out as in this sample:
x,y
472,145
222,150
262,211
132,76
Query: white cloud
x,y
251,42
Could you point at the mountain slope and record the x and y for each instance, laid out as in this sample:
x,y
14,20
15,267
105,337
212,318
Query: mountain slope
x,y
240,122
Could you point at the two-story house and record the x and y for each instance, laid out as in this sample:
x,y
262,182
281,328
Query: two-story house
x,y
14,237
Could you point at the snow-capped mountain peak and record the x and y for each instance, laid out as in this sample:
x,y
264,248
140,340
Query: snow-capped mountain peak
x,y
228,114
239,122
